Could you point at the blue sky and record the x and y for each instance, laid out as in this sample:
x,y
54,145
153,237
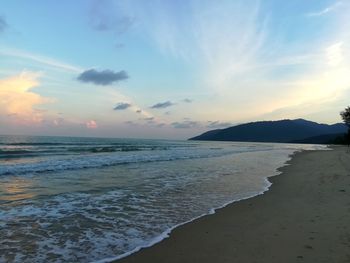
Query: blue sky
x,y
174,68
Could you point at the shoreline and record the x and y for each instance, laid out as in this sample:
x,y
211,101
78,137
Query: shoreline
x,y
167,233
175,246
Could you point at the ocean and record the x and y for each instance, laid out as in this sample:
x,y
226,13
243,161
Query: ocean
x,y
65,199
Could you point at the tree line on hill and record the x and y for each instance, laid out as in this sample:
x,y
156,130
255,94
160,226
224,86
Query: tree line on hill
x,y
284,131
345,115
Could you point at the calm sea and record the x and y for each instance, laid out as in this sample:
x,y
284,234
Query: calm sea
x,y
68,199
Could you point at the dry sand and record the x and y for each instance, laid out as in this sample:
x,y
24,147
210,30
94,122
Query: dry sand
x,y
304,217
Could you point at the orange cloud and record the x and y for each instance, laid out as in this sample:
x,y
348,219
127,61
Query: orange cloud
x,y
17,100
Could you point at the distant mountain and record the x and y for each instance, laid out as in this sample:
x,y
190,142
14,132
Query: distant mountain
x,y
299,130
337,138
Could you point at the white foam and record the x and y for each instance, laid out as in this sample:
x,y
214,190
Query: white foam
x,y
101,160
136,216
211,211
117,158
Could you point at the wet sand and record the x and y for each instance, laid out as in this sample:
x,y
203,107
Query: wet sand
x,y
304,217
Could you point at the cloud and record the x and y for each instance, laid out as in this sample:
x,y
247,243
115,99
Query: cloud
x,y
187,100
185,124
106,16
223,39
218,124
237,49
334,54
39,59
122,106
3,24
58,121
91,124
18,101
104,77
162,105
325,10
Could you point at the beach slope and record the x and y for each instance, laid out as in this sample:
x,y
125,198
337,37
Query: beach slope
x,y
304,217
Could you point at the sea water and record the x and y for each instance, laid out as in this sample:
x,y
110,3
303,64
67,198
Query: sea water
x,y
66,199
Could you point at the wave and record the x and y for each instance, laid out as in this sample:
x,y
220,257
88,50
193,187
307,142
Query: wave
x,y
166,234
18,154
121,144
13,152
39,143
131,148
43,151
104,160
130,217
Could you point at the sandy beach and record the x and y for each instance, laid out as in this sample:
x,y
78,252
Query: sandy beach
x,y
304,217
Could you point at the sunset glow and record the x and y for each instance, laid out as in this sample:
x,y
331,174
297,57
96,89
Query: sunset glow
x,y
170,69
17,100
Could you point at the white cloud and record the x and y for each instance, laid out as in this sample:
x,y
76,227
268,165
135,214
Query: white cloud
x,y
325,10
335,54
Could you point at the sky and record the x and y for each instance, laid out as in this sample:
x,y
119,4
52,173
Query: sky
x,y
169,69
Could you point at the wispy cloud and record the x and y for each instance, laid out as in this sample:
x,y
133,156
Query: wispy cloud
x,y
334,54
238,53
162,105
39,59
104,77
325,10
222,41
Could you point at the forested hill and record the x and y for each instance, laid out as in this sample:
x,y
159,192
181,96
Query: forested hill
x,y
286,131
